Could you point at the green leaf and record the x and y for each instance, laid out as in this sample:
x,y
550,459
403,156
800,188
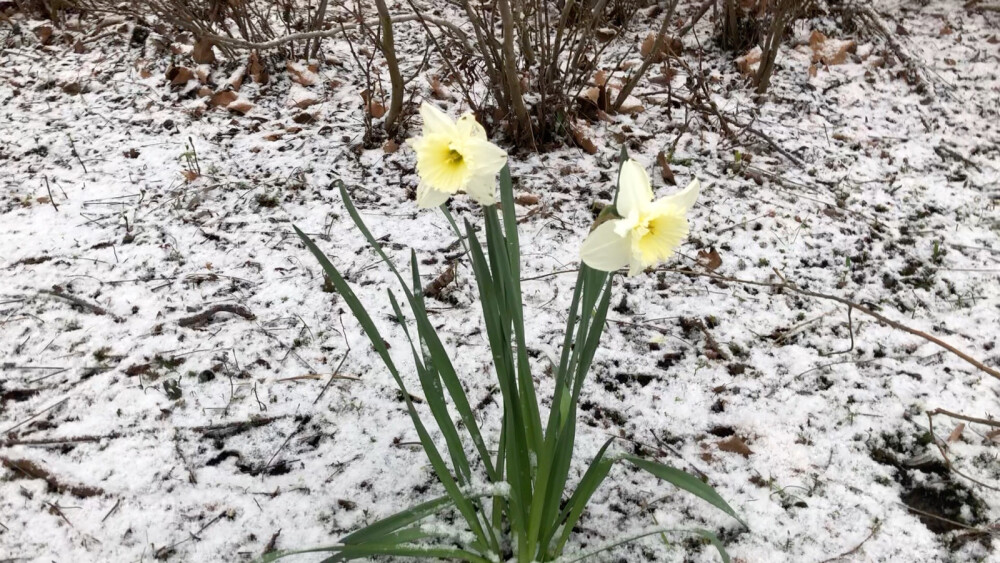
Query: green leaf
x,y
433,455
712,538
442,362
599,468
349,552
685,481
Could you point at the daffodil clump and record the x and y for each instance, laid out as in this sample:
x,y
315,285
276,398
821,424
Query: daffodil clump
x,y
509,493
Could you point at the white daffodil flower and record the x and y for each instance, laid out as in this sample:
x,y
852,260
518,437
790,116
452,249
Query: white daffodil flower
x,y
455,157
647,233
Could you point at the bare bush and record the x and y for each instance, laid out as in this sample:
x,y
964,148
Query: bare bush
x,y
537,56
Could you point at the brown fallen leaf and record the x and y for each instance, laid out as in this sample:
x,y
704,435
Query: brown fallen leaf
x,y
390,146
44,34
956,434
256,69
301,74
710,260
202,52
830,51
223,99
665,171
435,288
179,75
376,109
748,62
735,445
240,106
526,199
672,46
582,141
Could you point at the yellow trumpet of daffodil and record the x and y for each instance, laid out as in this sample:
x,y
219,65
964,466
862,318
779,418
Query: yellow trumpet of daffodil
x,y
455,156
646,232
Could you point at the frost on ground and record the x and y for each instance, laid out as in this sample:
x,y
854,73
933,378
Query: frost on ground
x,y
167,344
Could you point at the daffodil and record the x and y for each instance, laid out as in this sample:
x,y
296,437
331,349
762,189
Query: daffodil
x,y
455,157
646,232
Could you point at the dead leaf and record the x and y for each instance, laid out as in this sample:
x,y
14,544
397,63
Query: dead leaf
x,y
390,146
190,175
830,51
303,118
437,89
179,75
44,34
735,445
376,109
665,171
582,141
274,136
956,434
202,52
748,62
605,34
301,74
435,288
710,260
256,69
223,99
631,106
671,46
601,78
525,200
240,106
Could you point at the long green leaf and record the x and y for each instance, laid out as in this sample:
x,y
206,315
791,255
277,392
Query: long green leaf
x,y
430,383
430,449
598,471
443,363
685,481
712,538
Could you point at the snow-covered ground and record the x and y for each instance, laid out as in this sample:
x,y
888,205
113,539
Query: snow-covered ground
x,y
132,430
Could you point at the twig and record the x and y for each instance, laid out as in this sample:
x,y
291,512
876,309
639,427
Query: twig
x,y
48,189
277,42
861,308
875,528
72,146
32,417
207,315
95,309
112,511
986,421
879,26
336,371
947,460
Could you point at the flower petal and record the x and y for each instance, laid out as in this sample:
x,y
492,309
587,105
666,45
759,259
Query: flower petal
x,y
429,197
484,156
604,249
469,127
634,189
683,200
436,122
482,188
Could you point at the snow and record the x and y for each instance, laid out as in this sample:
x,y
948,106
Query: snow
x,y
883,212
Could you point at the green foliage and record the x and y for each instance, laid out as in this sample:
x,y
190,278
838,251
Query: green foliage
x,y
528,509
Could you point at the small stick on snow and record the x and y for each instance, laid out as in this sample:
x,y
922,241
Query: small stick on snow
x,y
204,317
48,189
